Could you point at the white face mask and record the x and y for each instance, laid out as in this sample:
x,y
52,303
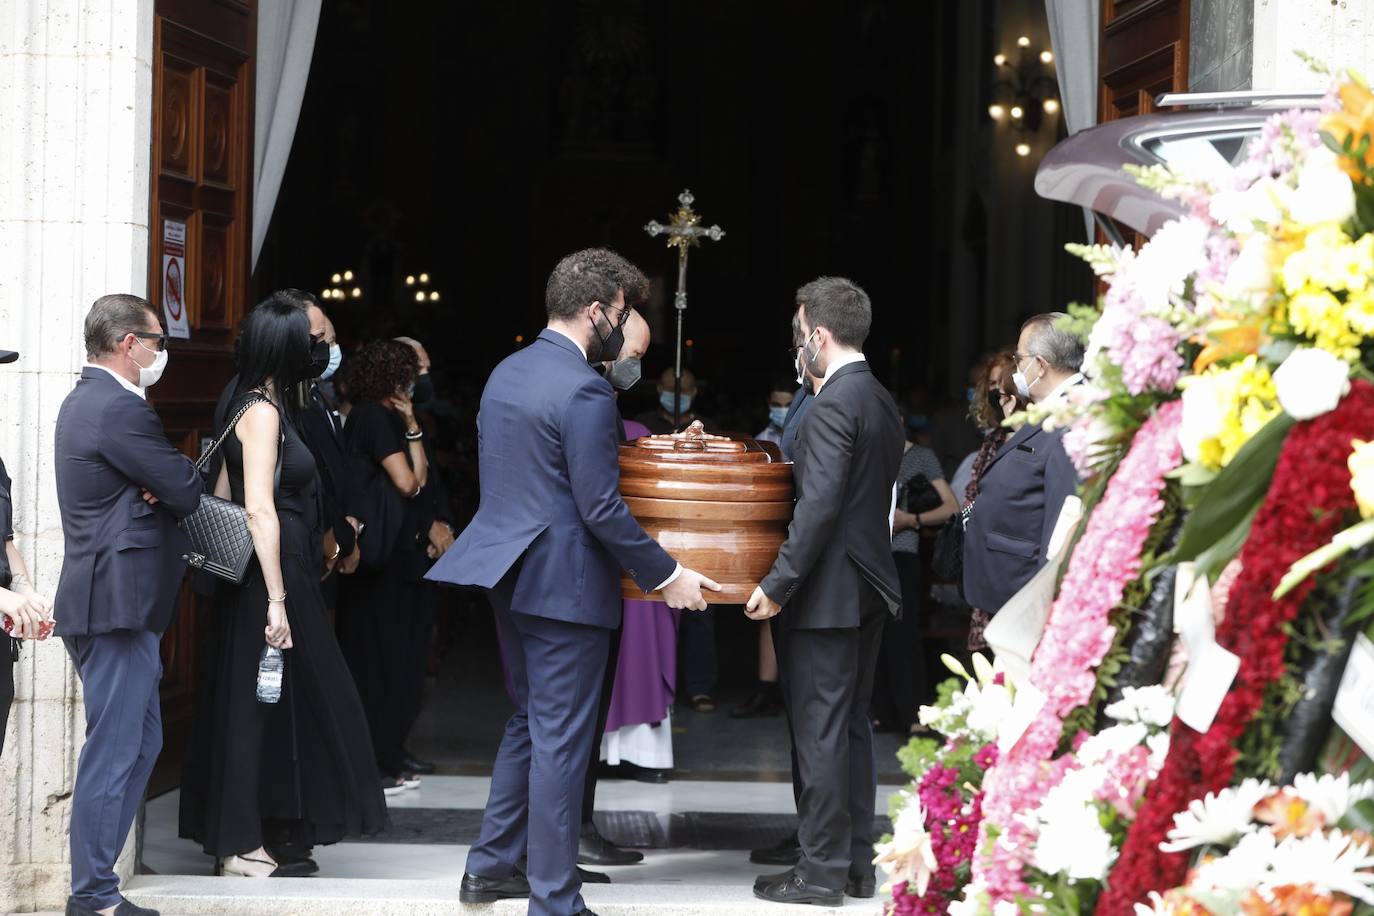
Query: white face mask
x,y
335,360
1023,387
148,376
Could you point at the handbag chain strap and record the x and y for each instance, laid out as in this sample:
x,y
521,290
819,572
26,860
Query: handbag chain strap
x,y
214,446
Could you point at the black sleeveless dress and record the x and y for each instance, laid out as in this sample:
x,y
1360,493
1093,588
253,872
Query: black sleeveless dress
x,y
307,760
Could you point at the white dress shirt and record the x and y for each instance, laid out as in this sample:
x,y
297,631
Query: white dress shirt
x,y
128,385
839,363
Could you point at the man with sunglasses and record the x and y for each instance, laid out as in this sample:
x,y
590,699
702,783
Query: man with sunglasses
x,y
121,488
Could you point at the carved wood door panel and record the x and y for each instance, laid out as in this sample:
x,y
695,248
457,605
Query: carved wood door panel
x,y
202,186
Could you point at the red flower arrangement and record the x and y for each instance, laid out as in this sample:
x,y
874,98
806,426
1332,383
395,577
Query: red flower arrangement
x,y
1308,501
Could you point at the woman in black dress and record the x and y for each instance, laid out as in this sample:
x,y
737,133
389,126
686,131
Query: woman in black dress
x,y
303,765
383,621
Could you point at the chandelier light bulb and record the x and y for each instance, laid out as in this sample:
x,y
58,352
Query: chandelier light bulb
x,y
996,112
410,279
1000,60
1017,112
434,296
357,292
424,278
348,276
420,297
337,278
1046,57
1051,106
1023,149
1023,42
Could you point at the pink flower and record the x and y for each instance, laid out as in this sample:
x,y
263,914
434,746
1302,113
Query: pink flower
x,y
1076,638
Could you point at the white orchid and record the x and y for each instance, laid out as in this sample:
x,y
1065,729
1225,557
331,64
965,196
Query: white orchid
x,y
1220,817
1151,705
1112,742
1161,270
1241,210
1332,796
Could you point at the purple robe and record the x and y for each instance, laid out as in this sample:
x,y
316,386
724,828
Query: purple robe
x,y
646,671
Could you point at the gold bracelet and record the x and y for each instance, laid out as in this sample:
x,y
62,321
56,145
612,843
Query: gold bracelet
x,y
281,600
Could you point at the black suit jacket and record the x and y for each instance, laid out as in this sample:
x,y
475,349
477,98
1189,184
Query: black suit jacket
x,y
800,402
1020,495
847,454
324,438
123,564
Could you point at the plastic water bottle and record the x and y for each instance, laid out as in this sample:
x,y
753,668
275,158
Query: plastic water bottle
x,y
270,669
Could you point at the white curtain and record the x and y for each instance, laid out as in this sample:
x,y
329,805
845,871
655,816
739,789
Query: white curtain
x,y
1073,33
286,41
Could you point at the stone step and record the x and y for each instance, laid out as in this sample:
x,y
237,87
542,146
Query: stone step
x,y
206,896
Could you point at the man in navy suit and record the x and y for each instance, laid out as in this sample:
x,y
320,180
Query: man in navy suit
x,y
1023,488
548,543
121,487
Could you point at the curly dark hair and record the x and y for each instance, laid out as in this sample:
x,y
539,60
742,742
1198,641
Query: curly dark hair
x,y
378,370
592,275
982,411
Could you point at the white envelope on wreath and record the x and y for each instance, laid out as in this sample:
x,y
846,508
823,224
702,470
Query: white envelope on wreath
x,y
1015,630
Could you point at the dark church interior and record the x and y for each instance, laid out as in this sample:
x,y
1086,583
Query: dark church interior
x,y
448,154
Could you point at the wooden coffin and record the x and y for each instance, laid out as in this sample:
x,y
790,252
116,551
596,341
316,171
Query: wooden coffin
x,y
719,505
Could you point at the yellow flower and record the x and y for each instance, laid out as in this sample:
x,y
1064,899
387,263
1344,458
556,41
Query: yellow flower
x,y
1318,314
1361,464
1354,120
1223,408
1359,313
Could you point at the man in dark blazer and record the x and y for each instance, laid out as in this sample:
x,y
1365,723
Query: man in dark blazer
x,y
1023,488
121,487
548,542
831,588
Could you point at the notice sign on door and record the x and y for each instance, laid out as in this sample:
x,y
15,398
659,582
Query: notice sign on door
x,y
174,277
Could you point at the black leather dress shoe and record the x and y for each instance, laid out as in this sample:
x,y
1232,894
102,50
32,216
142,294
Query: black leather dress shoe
x,y
764,880
476,889
785,852
296,868
595,849
795,889
412,764
863,888
759,706
593,877
125,908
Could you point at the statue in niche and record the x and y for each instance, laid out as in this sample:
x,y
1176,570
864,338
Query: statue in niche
x,y
608,93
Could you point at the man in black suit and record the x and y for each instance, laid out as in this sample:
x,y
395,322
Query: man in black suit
x,y
832,585
1023,488
121,487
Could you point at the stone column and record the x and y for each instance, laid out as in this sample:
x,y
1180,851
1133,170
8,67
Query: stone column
x,y
1337,32
75,126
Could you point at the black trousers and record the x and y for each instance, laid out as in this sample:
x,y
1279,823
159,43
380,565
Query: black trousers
x,y
828,684
902,683
603,714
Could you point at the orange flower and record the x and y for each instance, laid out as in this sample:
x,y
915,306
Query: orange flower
x,y
1302,900
1224,344
1354,120
1289,815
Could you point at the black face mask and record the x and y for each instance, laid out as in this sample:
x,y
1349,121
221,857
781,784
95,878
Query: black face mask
x,y
423,399
606,349
319,359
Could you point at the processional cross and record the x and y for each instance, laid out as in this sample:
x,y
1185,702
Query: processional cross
x,y
684,231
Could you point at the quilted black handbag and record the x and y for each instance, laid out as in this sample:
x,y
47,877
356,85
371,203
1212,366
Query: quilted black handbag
x,y
947,558
218,529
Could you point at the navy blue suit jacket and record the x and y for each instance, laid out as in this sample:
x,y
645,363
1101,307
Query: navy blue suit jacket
x,y
550,492
1020,495
123,563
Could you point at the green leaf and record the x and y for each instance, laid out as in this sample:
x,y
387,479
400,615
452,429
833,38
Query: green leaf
x,y
1213,560
1236,494
1193,475
1331,142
